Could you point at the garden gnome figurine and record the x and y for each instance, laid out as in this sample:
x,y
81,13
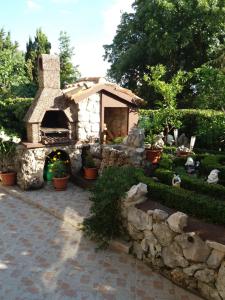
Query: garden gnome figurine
x,y
213,176
176,180
190,165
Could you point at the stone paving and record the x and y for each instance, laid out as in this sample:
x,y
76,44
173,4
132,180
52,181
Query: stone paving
x,y
42,257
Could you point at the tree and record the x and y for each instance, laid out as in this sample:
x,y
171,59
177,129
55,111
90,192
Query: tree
x,y
168,92
12,67
209,88
176,33
68,72
40,45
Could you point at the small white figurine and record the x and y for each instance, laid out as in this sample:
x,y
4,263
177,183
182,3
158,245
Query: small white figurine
x,y
176,181
213,176
159,143
190,162
190,165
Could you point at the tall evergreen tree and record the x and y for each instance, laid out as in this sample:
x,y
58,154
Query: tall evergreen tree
x,y
40,45
68,72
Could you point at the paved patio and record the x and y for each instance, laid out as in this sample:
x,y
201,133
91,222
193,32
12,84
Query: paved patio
x,y
42,257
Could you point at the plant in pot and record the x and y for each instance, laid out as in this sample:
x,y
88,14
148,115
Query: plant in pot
x,y
60,175
8,143
90,169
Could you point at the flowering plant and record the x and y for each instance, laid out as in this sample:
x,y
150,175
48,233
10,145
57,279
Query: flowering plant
x,y
8,144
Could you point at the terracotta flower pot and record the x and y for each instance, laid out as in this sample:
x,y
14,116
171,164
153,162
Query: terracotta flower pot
x,y
153,155
60,184
183,153
8,178
90,173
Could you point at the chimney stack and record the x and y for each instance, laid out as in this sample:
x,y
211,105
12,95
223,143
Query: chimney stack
x,y
49,71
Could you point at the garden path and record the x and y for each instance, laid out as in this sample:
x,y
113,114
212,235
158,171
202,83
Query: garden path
x,y
42,257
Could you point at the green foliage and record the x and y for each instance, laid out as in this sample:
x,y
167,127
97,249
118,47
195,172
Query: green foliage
x,y
167,90
68,72
40,45
105,222
12,67
207,125
209,88
88,161
59,169
197,205
166,161
178,34
12,112
8,144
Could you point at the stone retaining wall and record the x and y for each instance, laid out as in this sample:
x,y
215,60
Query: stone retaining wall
x,y
159,240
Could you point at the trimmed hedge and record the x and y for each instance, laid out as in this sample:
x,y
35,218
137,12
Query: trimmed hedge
x,y
12,112
193,184
197,205
210,162
207,125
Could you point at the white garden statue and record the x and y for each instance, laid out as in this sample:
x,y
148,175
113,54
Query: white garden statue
x,y
213,176
190,162
176,181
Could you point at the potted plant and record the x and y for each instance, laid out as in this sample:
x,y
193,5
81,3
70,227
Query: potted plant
x,y
60,175
90,169
8,145
154,147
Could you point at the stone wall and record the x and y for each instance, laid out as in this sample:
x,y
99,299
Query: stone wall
x,y
89,118
159,240
29,164
121,155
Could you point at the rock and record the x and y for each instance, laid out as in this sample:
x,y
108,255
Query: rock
x,y
215,259
134,233
135,138
193,268
194,248
163,233
159,215
206,275
140,219
220,283
208,292
152,245
137,250
177,221
173,256
216,246
136,194
179,277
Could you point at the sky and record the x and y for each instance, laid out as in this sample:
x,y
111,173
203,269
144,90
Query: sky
x,y
90,24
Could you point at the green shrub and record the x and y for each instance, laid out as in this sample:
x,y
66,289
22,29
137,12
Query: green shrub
x,y
12,112
197,205
192,183
105,222
210,162
166,161
207,125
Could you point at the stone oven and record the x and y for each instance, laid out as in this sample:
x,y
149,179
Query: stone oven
x,y
51,119
68,119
